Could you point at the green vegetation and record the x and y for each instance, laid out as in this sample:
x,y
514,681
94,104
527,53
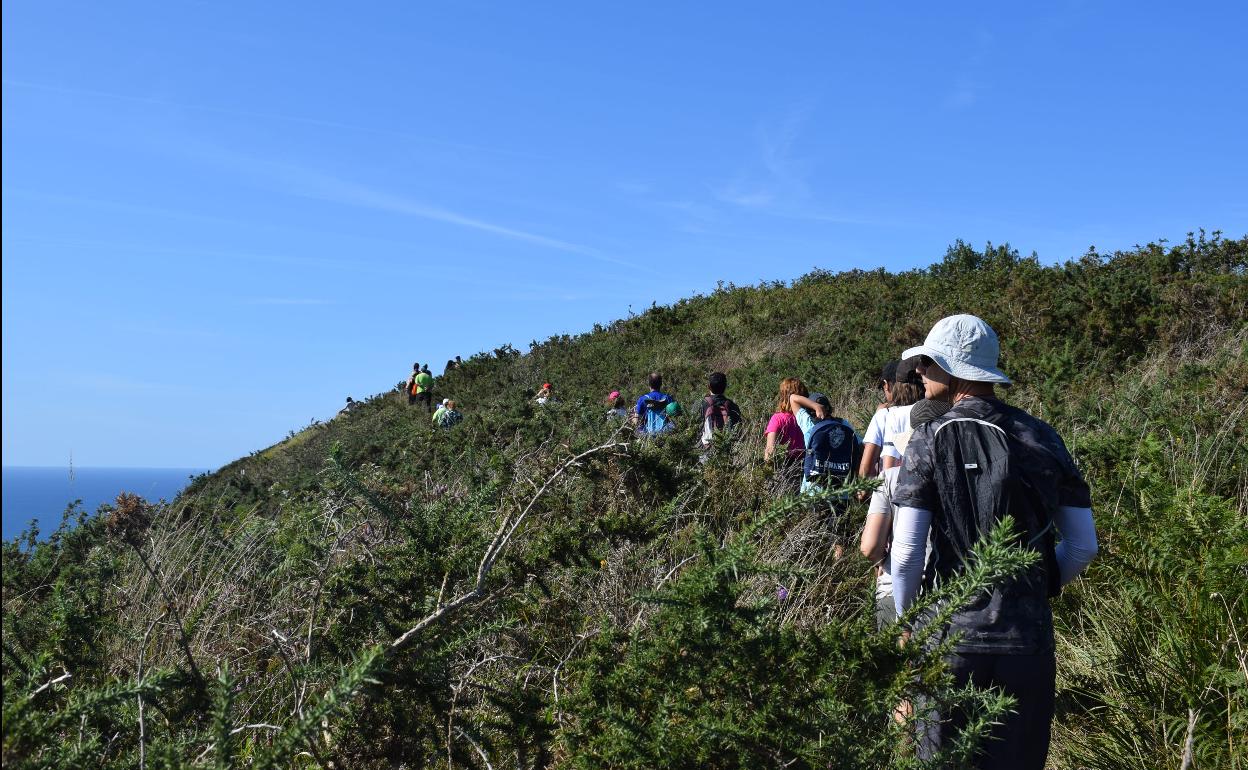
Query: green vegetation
x,y
536,589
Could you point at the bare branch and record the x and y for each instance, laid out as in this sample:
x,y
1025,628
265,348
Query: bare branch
x,y
502,537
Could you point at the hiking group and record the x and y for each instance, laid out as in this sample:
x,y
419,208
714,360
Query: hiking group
x,y
953,461
419,389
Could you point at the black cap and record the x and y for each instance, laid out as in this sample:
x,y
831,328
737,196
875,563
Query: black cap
x,y
890,371
906,372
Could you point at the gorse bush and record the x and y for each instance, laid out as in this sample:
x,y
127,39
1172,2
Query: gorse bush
x,y
538,588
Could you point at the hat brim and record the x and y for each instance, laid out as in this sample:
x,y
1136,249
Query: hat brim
x,y
960,369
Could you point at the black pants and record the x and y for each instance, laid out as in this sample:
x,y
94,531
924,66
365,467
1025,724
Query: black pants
x,y
426,396
1021,741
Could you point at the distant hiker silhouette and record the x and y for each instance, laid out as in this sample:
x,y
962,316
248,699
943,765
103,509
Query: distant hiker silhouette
x,y
424,387
411,386
437,414
718,411
448,416
618,410
650,414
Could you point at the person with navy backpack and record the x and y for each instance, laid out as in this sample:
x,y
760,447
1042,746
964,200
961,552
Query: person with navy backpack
x,y
650,414
831,444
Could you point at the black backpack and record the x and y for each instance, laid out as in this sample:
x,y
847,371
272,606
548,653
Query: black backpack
x,y
830,453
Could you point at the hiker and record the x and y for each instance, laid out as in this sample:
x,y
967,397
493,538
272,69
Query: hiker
x,y
831,442
453,364
718,411
449,417
962,473
441,410
831,447
544,396
650,413
902,387
351,405
877,532
423,385
411,387
618,410
782,428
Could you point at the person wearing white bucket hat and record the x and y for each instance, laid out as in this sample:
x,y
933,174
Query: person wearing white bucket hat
x,y
962,473
964,346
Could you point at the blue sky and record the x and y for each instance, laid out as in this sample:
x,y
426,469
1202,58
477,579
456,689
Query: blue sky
x,y
222,218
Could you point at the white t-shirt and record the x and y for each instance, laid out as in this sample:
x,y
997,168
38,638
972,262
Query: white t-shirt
x,y
885,425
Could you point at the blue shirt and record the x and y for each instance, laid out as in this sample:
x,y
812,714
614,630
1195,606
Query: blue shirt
x,y
640,409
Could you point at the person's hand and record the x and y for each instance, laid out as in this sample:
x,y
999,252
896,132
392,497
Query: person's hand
x,y
862,495
902,712
820,412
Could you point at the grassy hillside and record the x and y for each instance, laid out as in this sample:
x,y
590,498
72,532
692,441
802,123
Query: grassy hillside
x,y
535,588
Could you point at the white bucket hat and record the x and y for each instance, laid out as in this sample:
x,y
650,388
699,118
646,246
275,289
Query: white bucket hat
x,y
965,347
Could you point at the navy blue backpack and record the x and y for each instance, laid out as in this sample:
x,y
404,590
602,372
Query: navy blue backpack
x,y
830,452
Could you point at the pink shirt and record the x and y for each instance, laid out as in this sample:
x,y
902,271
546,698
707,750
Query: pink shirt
x,y
785,424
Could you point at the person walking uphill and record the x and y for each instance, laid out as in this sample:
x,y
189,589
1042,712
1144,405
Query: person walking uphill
x,y
718,411
650,415
962,473
782,428
411,386
423,384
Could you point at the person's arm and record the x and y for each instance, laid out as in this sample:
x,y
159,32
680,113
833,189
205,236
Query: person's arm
x,y
868,469
888,461
874,542
801,402
1078,546
771,445
910,527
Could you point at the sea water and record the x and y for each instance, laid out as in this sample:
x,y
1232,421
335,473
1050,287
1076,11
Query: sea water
x,y
42,494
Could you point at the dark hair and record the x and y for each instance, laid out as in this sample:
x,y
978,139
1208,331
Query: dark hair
x,y
618,403
656,380
718,383
905,394
889,374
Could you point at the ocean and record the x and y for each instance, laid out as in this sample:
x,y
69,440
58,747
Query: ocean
x,y
43,493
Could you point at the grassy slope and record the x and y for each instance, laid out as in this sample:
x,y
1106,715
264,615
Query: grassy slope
x,y
1138,359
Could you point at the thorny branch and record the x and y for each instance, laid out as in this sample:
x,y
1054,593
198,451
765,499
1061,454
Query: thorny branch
x,y
502,537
